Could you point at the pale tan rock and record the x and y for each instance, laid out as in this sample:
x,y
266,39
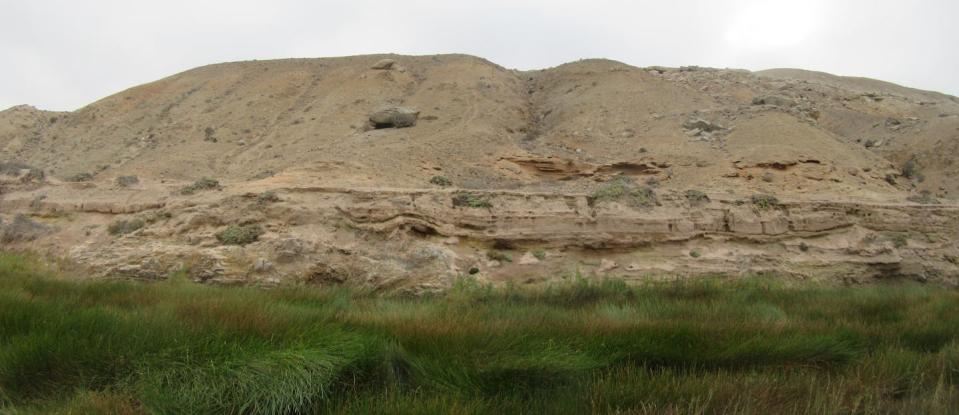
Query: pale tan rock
x,y
528,259
606,265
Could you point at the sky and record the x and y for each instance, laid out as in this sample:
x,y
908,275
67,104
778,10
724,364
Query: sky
x,y
64,54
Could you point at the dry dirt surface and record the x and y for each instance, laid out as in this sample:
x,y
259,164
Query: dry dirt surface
x,y
407,173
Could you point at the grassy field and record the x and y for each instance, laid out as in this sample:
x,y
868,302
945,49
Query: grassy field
x,y
750,346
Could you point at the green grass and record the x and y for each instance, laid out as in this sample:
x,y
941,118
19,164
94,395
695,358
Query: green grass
x,y
706,346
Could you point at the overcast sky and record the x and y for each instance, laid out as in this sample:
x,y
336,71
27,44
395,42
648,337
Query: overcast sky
x,y
64,54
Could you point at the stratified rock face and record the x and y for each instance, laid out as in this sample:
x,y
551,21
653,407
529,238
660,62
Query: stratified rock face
x,y
405,173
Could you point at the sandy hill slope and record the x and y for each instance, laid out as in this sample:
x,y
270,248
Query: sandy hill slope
x,y
536,145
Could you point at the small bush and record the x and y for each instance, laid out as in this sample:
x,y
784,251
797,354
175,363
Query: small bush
x,y
202,184
34,176
239,234
891,179
696,196
127,181
267,197
13,168
925,197
154,217
803,247
623,189
765,202
22,229
900,240
499,256
471,200
208,134
123,227
910,170
539,254
441,181
694,254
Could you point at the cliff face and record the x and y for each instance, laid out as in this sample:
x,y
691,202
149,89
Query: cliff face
x,y
594,167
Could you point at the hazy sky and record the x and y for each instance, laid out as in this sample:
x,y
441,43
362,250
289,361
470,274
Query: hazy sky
x,y
63,54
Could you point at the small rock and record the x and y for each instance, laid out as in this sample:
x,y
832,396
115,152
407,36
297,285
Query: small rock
x,y
384,64
702,125
493,264
451,241
127,181
606,265
528,259
262,265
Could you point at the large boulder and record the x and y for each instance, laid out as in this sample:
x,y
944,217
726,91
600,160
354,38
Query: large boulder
x,y
394,117
384,64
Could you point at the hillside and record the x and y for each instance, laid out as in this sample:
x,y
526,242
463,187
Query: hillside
x,y
590,154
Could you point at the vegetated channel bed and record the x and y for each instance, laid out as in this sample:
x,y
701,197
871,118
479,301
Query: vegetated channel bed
x,y
746,346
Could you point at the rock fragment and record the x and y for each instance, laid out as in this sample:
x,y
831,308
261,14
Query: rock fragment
x,y
384,64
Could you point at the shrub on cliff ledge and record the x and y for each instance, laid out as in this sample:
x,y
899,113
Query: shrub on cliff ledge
x,y
471,200
623,189
765,202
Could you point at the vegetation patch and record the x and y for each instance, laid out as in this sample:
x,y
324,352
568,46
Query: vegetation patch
x,y
925,197
696,196
471,200
623,189
12,168
539,254
499,256
442,181
127,181
239,234
201,185
751,345
125,226
765,202
22,229
267,197
80,177
910,170
900,240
